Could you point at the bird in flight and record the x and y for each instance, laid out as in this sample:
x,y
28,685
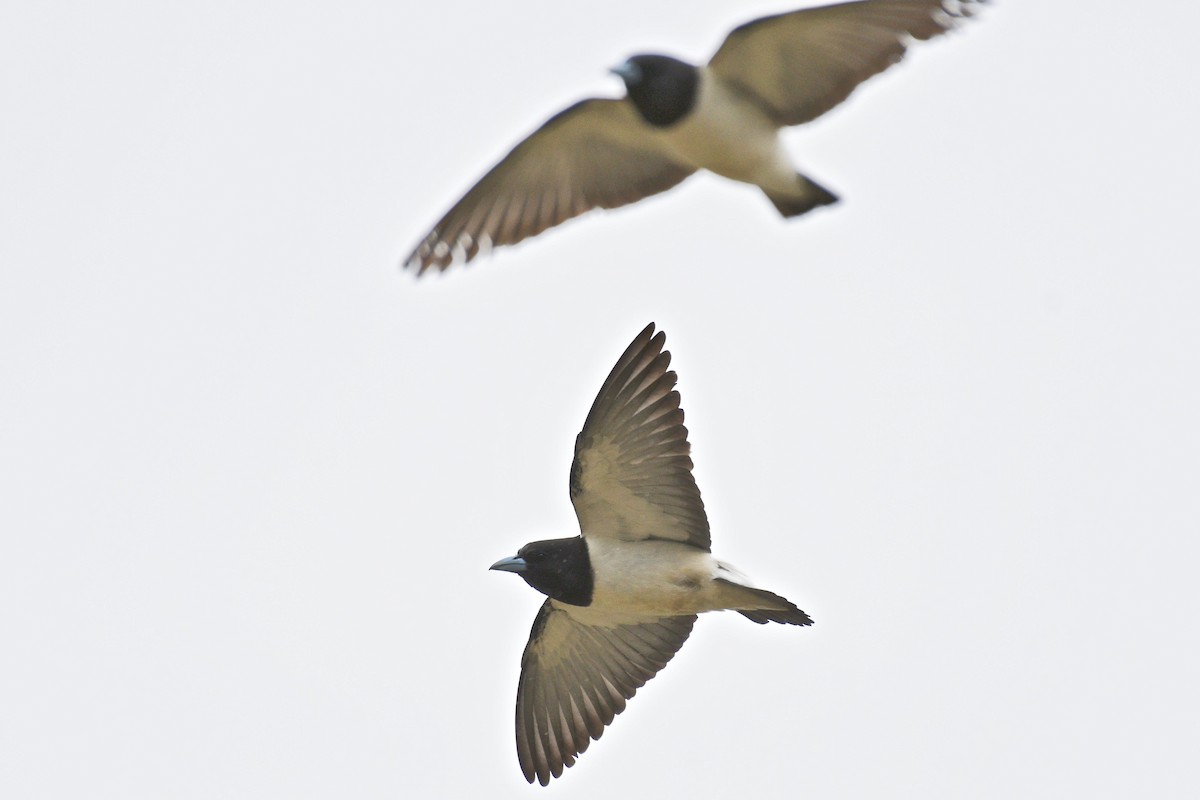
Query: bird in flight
x,y
623,596
677,118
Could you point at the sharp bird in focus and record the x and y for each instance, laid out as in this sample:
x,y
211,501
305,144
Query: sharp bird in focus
x,y
622,596
677,118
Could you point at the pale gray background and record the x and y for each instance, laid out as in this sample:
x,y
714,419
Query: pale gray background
x,y
252,475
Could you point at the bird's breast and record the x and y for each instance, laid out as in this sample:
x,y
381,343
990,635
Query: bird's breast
x,y
727,133
651,577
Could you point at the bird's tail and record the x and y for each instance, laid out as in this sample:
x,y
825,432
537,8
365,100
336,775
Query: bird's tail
x,y
761,606
809,195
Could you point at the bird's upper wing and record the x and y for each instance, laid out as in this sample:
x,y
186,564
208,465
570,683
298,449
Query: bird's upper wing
x,y
576,677
632,476
596,154
803,63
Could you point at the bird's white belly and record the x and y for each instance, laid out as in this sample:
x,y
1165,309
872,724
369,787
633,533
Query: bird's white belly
x,y
730,136
652,578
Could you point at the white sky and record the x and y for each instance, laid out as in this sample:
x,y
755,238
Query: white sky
x,y
252,476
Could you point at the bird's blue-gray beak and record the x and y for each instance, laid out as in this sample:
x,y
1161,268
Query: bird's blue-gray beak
x,y
513,564
628,71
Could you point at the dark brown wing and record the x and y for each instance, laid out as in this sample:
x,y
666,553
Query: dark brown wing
x,y
596,154
632,476
803,63
576,677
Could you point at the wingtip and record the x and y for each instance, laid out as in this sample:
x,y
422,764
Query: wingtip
x,y
956,10
435,252
413,265
650,343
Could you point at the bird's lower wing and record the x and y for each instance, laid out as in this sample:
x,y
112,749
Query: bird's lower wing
x,y
576,677
596,154
803,63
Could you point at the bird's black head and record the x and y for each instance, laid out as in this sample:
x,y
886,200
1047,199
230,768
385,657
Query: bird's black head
x,y
663,89
558,568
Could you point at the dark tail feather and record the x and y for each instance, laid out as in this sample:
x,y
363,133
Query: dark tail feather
x,y
792,616
810,195
773,608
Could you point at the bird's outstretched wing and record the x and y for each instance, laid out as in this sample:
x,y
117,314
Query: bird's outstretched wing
x,y
632,476
803,63
596,154
576,677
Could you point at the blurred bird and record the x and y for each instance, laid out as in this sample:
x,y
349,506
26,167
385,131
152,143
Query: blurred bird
x,y
622,596
677,118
